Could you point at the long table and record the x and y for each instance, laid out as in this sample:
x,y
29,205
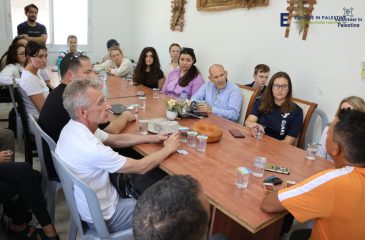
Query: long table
x,y
234,212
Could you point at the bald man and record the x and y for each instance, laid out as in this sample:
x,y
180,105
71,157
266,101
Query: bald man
x,y
221,97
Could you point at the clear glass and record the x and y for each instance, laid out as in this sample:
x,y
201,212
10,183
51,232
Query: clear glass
x,y
259,166
183,134
143,126
312,150
142,102
241,179
191,139
129,81
201,143
156,93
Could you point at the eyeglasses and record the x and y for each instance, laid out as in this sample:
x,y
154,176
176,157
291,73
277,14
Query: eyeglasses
x,y
282,86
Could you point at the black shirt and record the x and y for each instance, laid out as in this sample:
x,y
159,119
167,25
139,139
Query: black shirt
x,y
148,80
36,31
261,91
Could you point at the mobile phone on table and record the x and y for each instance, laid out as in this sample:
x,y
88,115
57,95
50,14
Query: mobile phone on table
x,y
236,133
277,168
274,180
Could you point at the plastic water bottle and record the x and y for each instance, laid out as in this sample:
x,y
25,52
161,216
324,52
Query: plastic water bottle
x,y
103,79
183,97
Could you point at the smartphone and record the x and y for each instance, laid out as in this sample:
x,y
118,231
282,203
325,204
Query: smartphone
x,y
236,133
274,180
277,168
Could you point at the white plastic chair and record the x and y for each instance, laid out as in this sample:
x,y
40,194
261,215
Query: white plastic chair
x,y
50,187
69,180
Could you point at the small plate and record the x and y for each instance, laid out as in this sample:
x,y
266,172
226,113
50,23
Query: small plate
x,y
162,125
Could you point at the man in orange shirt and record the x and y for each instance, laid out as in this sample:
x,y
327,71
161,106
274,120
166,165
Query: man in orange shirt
x,y
334,198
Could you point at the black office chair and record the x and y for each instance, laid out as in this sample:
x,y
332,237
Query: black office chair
x,y
30,149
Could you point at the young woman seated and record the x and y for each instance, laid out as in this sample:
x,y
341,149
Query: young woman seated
x,y
148,71
187,77
275,113
118,65
32,87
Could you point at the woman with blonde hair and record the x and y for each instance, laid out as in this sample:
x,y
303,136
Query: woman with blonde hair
x,y
352,102
118,65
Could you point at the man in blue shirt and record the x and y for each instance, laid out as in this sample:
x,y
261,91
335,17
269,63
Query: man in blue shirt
x,y
221,97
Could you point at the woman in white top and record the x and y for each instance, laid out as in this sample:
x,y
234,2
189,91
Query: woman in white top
x,y
118,65
15,61
19,61
353,102
32,87
174,51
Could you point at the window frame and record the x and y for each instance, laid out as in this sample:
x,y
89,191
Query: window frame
x,y
51,47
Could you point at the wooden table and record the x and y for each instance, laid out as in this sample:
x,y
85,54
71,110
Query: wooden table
x,y
232,208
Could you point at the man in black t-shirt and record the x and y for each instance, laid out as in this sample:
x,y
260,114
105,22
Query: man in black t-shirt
x,y
30,29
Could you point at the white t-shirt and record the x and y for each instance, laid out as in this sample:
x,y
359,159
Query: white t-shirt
x,y
11,71
91,161
31,85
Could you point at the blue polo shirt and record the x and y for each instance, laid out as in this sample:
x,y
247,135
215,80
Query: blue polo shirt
x,y
279,124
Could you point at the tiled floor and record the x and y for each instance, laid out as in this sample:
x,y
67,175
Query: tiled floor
x,y
62,213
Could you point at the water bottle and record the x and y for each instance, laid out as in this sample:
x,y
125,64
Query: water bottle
x,y
103,79
183,97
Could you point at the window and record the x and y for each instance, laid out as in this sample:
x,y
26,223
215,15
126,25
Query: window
x,y
61,18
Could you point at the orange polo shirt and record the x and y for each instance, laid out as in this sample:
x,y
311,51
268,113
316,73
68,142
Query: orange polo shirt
x,y
335,199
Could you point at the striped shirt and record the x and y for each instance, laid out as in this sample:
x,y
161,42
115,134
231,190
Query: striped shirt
x,y
334,198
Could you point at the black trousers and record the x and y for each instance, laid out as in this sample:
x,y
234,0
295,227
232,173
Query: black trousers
x,y
18,178
140,182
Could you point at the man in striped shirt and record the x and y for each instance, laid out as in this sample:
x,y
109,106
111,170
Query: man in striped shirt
x,y
334,198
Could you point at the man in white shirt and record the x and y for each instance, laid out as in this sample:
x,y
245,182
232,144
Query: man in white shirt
x,y
85,150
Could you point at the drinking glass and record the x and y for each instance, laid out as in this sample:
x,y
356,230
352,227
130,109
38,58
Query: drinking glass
x,y
259,166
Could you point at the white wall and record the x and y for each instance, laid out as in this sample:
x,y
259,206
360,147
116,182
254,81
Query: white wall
x,y
324,69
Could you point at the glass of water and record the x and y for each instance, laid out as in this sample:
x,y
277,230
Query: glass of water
x,y
312,150
242,176
191,138
156,93
259,166
143,126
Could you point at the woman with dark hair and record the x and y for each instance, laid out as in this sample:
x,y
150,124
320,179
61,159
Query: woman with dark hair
x,y
276,112
32,87
148,71
15,61
185,78
17,40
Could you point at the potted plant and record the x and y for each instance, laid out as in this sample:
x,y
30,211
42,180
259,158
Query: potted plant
x,y
175,107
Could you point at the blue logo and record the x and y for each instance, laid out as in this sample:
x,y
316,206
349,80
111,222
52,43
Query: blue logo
x,y
284,19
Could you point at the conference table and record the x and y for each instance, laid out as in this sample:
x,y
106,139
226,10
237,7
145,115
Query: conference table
x,y
234,212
